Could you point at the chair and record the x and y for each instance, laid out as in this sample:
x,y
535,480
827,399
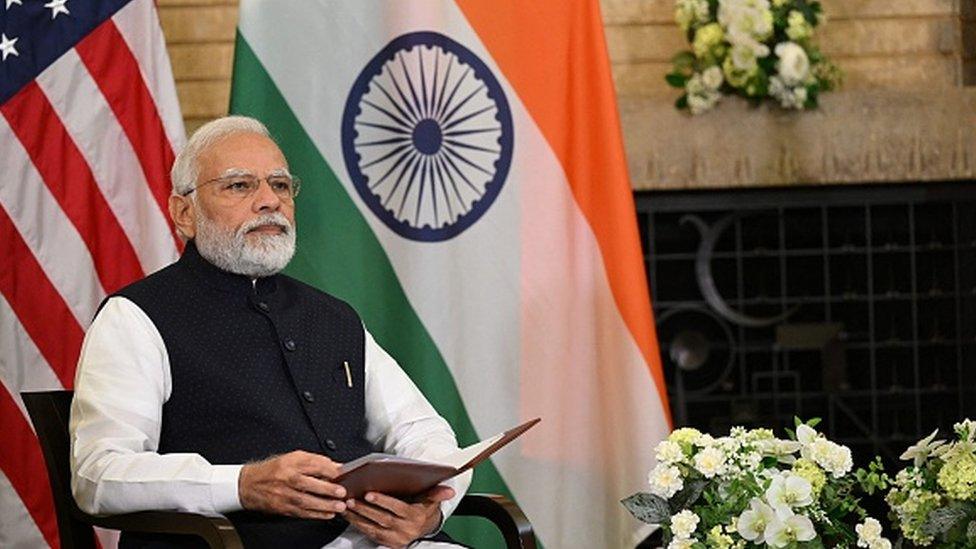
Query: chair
x,y
49,412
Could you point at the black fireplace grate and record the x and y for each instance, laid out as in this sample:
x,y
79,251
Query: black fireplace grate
x,y
853,304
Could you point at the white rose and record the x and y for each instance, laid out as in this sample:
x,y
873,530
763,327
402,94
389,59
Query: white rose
x,y
744,58
669,452
710,462
868,532
665,480
800,96
794,65
684,523
702,102
839,461
712,78
681,543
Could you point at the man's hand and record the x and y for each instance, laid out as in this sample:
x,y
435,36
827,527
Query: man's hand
x,y
394,523
294,484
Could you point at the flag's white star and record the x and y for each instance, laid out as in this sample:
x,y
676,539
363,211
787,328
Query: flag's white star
x,y
57,7
12,2
7,47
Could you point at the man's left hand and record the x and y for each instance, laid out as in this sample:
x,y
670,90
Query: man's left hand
x,y
395,523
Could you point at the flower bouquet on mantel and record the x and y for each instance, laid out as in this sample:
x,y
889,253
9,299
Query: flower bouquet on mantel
x,y
752,489
933,500
751,48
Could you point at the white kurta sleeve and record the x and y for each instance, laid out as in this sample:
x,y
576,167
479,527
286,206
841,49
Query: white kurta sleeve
x,y
401,421
122,381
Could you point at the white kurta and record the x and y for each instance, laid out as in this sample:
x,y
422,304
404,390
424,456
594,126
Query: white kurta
x,y
123,380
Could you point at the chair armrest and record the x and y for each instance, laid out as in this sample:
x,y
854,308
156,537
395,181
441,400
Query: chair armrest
x,y
217,531
504,513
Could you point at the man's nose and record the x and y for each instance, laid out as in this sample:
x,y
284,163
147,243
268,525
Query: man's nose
x,y
265,198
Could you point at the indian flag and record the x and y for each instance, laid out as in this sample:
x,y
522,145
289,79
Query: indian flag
x,y
465,188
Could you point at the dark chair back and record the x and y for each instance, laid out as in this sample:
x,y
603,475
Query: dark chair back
x,y
49,412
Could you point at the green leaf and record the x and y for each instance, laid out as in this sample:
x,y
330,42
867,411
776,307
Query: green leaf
x,y
648,508
676,80
814,421
682,102
688,495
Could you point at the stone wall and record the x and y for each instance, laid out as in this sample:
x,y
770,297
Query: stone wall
x,y
898,55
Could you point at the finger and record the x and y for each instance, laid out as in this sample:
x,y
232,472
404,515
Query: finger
x,y
377,515
317,465
374,531
319,487
308,502
438,494
301,513
391,504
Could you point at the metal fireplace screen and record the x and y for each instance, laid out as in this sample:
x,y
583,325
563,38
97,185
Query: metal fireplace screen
x,y
856,305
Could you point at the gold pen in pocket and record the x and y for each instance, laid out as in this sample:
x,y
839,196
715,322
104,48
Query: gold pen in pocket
x,y
348,374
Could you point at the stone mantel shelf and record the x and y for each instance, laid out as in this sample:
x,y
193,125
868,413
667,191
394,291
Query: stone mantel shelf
x,y
854,137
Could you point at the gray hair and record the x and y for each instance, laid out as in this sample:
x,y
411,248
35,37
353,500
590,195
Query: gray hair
x,y
186,169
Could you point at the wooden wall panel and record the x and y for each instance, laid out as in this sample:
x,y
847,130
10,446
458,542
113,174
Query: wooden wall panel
x,y
200,39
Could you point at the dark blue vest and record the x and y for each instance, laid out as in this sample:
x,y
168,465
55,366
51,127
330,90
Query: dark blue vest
x,y
257,370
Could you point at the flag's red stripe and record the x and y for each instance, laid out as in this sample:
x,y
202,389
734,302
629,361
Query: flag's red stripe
x,y
116,71
66,173
23,464
38,305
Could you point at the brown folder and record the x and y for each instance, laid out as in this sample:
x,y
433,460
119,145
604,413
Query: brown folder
x,y
405,478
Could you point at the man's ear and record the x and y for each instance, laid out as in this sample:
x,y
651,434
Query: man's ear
x,y
183,216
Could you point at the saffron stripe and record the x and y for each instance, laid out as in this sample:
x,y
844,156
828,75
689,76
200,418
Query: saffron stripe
x,y
23,464
116,71
67,175
41,310
578,116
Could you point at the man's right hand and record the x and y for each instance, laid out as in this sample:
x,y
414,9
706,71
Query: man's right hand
x,y
294,484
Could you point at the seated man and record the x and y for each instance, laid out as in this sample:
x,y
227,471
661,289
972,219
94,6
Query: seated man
x,y
217,385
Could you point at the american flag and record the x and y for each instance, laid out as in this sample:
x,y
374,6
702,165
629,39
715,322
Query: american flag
x,y
89,125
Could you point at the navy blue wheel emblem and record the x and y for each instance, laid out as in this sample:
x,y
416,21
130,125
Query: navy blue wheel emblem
x,y
427,136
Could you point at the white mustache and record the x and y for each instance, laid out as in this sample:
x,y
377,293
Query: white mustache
x,y
273,219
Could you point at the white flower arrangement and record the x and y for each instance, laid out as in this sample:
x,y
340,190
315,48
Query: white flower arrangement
x,y
752,489
751,48
933,500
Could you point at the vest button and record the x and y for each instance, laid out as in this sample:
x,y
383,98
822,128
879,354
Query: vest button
x,y
263,306
330,444
308,396
290,345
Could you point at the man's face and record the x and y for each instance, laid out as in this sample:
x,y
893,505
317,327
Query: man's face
x,y
250,234
248,152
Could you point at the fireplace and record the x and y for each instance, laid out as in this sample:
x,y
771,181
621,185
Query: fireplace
x,y
855,304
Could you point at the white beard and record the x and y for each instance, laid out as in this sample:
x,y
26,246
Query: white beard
x,y
256,256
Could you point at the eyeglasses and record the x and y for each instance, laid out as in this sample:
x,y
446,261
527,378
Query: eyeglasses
x,y
243,185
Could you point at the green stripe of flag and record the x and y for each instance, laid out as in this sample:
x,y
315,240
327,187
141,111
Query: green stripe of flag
x,y
338,253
